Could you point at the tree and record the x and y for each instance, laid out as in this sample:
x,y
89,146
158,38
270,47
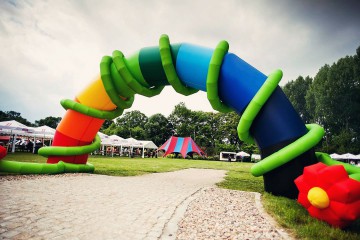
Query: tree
x,y
296,92
181,119
129,124
158,129
48,121
204,127
111,130
334,97
106,124
12,115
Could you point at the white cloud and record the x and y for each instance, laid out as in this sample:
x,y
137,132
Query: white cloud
x,y
52,49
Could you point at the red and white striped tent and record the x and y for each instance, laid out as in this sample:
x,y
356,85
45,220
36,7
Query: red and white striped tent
x,y
182,145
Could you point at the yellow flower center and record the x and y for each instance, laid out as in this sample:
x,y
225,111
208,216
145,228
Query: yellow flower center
x,y
318,198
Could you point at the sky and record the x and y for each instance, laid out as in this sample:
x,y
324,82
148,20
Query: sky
x,y
51,50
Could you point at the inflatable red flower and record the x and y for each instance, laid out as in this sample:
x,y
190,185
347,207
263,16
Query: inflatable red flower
x,y
329,194
3,152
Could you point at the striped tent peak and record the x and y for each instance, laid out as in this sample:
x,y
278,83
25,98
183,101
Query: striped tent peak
x,y
182,145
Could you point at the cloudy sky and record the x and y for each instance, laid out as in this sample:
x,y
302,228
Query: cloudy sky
x,y
51,50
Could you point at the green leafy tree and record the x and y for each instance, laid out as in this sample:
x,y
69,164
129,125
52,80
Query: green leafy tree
x,y
129,123
138,133
12,115
106,124
296,92
111,130
48,121
334,97
158,129
205,125
181,119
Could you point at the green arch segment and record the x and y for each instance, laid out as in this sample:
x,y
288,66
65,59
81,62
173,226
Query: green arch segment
x,y
70,151
169,67
213,77
44,168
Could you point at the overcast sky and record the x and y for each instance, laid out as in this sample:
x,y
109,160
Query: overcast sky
x,y
51,50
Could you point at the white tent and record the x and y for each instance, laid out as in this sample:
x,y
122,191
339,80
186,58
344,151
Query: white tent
x,y
242,154
348,156
116,141
15,128
148,144
335,156
102,135
44,131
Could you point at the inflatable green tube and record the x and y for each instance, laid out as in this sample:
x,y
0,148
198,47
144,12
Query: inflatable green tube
x,y
70,151
289,152
44,168
60,167
354,172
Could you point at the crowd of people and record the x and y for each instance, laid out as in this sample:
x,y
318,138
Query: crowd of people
x,y
127,152
23,144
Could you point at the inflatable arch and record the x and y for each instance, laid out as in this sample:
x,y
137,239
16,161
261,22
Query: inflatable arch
x,y
267,117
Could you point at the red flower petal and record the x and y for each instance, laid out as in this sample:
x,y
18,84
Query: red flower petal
x,y
330,175
344,211
302,185
347,191
326,215
311,172
303,200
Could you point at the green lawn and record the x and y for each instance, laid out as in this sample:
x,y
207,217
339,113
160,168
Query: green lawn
x,y
288,213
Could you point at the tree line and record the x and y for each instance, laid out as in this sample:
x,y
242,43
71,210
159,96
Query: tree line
x,y
331,99
214,132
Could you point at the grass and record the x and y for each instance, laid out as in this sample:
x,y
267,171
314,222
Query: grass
x,y
288,213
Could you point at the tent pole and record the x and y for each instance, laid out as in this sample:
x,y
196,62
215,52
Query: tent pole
x,y
13,143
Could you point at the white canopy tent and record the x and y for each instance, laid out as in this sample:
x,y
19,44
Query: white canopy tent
x,y
116,141
346,156
242,154
14,128
255,157
335,156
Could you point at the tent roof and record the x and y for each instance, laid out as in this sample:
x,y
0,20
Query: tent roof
x,y
348,156
14,127
44,131
12,124
335,156
148,144
102,135
182,145
243,154
45,128
256,156
115,140
115,137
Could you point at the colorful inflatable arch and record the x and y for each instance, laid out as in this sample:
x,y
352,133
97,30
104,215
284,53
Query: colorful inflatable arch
x,y
267,116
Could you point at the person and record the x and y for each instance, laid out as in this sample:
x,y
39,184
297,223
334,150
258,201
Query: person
x,y
29,146
229,158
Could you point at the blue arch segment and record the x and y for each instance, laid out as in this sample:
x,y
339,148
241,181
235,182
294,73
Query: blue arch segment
x,y
192,64
238,83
